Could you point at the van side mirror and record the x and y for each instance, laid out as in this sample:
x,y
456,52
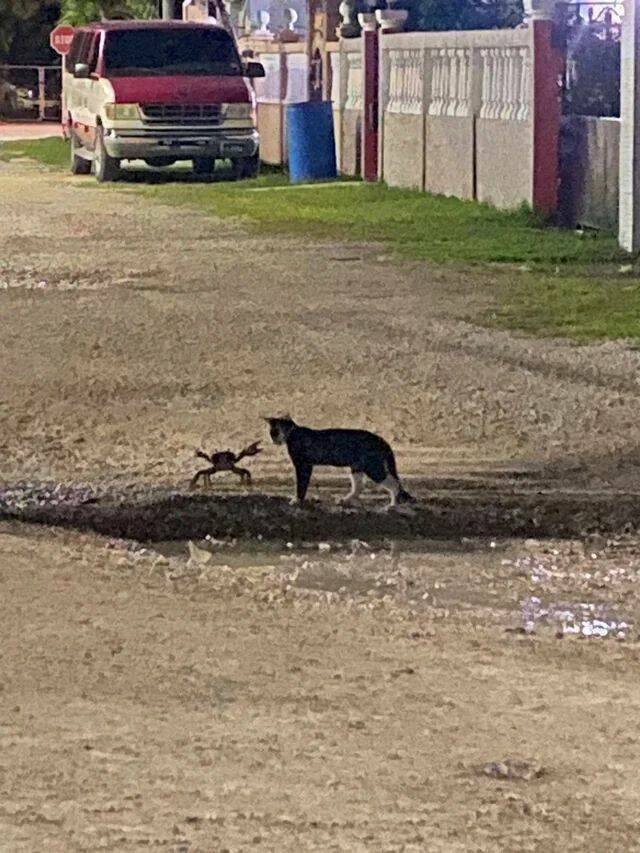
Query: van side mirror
x,y
81,70
254,69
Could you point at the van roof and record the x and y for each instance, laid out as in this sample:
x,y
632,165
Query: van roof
x,y
149,25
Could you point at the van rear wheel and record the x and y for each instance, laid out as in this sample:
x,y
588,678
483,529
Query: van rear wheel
x,y
204,165
79,165
105,168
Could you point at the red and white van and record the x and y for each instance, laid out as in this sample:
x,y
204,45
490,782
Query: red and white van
x,y
158,91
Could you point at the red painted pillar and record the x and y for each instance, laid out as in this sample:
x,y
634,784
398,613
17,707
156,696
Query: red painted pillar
x,y
370,96
547,71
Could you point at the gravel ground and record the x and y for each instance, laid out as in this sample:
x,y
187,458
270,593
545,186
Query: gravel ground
x,y
460,678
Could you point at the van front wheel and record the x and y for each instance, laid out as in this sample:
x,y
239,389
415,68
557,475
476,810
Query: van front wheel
x,y
105,168
79,165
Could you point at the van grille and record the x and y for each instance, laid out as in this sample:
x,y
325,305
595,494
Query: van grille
x,y
182,113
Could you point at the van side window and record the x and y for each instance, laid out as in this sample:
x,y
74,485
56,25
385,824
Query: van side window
x,y
74,52
68,60
91,52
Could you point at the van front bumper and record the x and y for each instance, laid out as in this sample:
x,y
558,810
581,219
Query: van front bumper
x,y
146,144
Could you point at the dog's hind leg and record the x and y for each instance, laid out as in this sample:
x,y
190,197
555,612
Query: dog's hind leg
x,y
377,471
392,485
357,484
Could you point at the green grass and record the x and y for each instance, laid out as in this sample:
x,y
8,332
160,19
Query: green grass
x,y
415,224
51,151
559,283
584,309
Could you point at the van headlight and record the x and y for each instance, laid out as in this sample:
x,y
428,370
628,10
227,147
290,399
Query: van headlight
x,y
236,110
121,112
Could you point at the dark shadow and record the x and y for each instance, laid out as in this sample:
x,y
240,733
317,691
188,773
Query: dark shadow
x,y
448,510
572,171
154,176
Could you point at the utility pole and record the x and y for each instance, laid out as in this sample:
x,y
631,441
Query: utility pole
x,y
629,227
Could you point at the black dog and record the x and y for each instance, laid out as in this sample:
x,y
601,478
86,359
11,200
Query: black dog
x,y
363,452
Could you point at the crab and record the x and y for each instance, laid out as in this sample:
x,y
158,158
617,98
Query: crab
x,y
225,460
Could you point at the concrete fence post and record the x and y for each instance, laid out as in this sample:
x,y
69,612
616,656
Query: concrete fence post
x,y
629,169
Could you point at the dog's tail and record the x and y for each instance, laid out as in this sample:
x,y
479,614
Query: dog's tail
x,y
251,450
404,497
202,455
390,460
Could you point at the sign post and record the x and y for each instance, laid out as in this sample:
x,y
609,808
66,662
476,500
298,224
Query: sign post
x,y
629,195
42,95
60,41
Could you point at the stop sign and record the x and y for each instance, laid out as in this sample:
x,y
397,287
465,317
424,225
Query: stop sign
x,y
61,38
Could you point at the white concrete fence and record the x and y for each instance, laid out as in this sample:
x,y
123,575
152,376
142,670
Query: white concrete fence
x,y
456,114
456,110
470,114
345,85
285,82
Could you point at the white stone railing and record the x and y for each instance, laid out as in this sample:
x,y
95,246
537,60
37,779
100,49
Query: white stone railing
x,y
457,74
506,83
450,82
406,82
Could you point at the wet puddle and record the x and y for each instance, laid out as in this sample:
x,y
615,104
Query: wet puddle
x,y
583,618
552,609
17,497
423,575
541,587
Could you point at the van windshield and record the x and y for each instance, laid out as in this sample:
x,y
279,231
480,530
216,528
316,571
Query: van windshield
x,y
141,52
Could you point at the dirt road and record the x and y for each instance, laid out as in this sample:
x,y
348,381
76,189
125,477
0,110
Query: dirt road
x,y
298,689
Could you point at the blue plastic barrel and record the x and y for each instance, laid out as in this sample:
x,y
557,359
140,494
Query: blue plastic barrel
x,y
311,143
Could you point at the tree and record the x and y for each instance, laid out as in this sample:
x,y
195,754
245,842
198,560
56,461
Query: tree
x,y
463,14
26,17
594,82
77,12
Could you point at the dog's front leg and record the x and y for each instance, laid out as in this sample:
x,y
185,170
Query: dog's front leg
x,y
303,475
